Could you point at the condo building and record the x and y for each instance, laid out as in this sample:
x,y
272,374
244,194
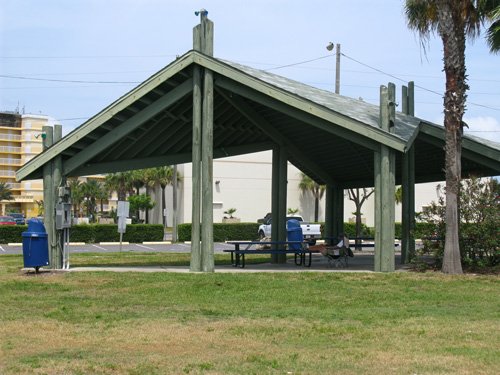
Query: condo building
x,y
20,141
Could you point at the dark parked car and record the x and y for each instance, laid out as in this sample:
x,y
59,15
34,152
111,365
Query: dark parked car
x,y
7,220
19,218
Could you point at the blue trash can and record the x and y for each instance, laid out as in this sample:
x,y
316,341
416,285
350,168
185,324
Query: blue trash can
x,y
294,233
35,245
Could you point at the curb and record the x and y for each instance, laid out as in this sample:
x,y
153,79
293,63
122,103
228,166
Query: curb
x,y
157,243
113,243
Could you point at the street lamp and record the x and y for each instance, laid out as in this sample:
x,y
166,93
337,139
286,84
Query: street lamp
x,y
330,47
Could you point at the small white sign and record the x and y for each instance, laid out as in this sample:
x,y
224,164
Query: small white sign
x,y
122,224
123,209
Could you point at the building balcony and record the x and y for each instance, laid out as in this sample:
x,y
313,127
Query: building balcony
x,y
9,161
13,185
6,173
10,137
10,149
23,198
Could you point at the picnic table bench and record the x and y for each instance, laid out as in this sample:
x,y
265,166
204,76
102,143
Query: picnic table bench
x,y
298,248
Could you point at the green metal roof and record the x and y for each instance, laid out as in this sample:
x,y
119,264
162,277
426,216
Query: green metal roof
x,y
328,136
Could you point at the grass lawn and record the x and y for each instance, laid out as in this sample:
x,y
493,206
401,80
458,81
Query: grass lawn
x,y
256,323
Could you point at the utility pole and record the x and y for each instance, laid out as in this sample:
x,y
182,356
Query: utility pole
x,y
330,47
337,71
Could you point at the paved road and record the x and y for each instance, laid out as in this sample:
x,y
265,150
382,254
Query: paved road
x,y
96,248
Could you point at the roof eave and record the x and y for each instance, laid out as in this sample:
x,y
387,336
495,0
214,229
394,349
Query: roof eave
x,y
32,169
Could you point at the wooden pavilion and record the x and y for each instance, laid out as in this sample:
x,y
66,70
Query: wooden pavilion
x,y
199,107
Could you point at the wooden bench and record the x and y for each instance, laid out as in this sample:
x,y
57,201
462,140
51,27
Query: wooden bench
x,y
280,247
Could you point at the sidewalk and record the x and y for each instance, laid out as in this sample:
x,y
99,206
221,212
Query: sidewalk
x,y
361,262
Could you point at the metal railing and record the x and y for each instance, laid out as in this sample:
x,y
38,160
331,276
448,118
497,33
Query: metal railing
x,y
13,185
9,161
22,198
10,149
7,173
10,137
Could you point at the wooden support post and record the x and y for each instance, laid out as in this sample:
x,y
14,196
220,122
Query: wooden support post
x,y
329,212
195,265
282,197
48,197
56,182
207,142
408,187
174,205
404,99
279,194
275,199
411,98
202,252
338,211
385,202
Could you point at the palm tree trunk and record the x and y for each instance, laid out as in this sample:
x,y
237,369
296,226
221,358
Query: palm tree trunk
x,y
163,205
146,217
316,209
453,35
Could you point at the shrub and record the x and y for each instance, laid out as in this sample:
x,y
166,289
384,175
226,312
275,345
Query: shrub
x,y
223,231
12,233
350,230
479,211
143,232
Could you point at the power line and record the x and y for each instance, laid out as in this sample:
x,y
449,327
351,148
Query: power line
x,y
84,57
298,63
67,80
418,86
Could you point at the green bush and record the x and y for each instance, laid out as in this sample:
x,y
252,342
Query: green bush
x,y
92,233
479,211
223,231
350,230
143,232
82,233
12,233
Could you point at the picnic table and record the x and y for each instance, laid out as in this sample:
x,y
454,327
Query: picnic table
x,y
298,248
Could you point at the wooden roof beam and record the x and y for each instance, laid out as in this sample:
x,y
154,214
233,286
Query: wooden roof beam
x,y
267,128
158,161
128,126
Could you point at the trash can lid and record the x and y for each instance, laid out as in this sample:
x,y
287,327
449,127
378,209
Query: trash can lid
x,y
292,223
36,225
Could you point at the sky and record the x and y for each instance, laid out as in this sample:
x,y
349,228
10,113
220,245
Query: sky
x,y
69,59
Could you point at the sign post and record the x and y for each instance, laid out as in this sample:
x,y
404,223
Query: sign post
x,y
122,213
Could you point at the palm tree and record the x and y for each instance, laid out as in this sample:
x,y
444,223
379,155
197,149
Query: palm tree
x,y
5,192
120,182
307,184
102,195
492,11
162,176
76,195
453,21
91,190
141,178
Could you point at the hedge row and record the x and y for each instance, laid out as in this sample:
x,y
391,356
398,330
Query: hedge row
x,y
93,233
248,231
223,232
135,233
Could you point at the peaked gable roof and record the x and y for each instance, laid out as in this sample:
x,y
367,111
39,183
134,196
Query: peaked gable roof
x,y
328,136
